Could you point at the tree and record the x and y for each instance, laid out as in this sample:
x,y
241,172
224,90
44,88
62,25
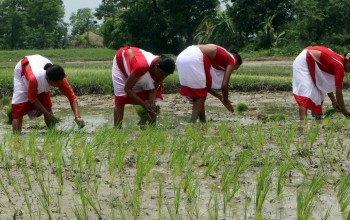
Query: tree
x,y
45,23
83,21
263,19
13,24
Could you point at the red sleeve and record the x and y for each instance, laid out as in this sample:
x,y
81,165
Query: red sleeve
x,y
32,83
334,67
67,90
223,57
138,64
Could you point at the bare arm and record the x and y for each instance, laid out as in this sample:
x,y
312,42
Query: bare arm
x,y
341,104
220,97
226,81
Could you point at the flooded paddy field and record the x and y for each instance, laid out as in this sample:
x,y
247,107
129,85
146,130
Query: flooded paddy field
x,y
241,165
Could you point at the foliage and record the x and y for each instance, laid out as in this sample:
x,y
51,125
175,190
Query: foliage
x,y
23,25
82,22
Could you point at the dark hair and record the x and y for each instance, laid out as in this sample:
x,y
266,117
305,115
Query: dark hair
x,y
347,56
239,58
166,64
54,72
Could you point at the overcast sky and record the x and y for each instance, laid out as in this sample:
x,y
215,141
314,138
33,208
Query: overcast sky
x,y
73,5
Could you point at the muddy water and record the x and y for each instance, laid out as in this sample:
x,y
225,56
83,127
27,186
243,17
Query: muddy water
x,y
97,110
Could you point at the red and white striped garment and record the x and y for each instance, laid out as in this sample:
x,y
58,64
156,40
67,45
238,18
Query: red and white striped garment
x,y
30,84
313,78
197,72
139,66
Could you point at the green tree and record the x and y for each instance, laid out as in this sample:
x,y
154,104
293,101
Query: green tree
x,y
157,25
45,24
265,20
82,21
13,24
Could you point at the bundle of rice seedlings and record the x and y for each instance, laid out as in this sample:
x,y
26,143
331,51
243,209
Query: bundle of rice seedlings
x,y
143,114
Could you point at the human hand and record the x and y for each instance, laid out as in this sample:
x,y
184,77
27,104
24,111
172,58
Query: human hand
x,y
52,121
149,107
80,122
228,105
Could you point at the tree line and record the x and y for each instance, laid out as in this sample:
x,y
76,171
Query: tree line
x,y
168,26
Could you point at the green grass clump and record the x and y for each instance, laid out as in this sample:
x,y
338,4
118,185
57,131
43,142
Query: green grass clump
x,y
6,100
8,112
241,107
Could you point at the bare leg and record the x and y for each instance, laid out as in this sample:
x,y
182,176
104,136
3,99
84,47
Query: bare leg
x,y
302,112
198,110
17,125
118,116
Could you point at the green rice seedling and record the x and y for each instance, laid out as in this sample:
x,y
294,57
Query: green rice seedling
x,y
135,203
143,114
282,170
8,112
160,198
247,200
92,199
27,202
79,212
213,209
177,159
26,177
306,195
177,197
263,186
238,133
59,174
343,194
327,214
5,190
83,211
276,117
120,209
241,107
225,134
45,204
171,212
312,134
229,181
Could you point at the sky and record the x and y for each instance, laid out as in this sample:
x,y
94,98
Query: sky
x,y
73,5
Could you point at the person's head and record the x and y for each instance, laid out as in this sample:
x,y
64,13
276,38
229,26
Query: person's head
x,y
54,74
238,57
347,62
164,67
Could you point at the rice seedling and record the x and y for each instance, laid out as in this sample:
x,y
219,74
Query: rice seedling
x,y
343,194
282,171
264,181
160,198
5,190
80,212
241,107
28,203
213,205
306,196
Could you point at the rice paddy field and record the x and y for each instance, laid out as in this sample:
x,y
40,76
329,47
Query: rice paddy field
x,y
259,162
